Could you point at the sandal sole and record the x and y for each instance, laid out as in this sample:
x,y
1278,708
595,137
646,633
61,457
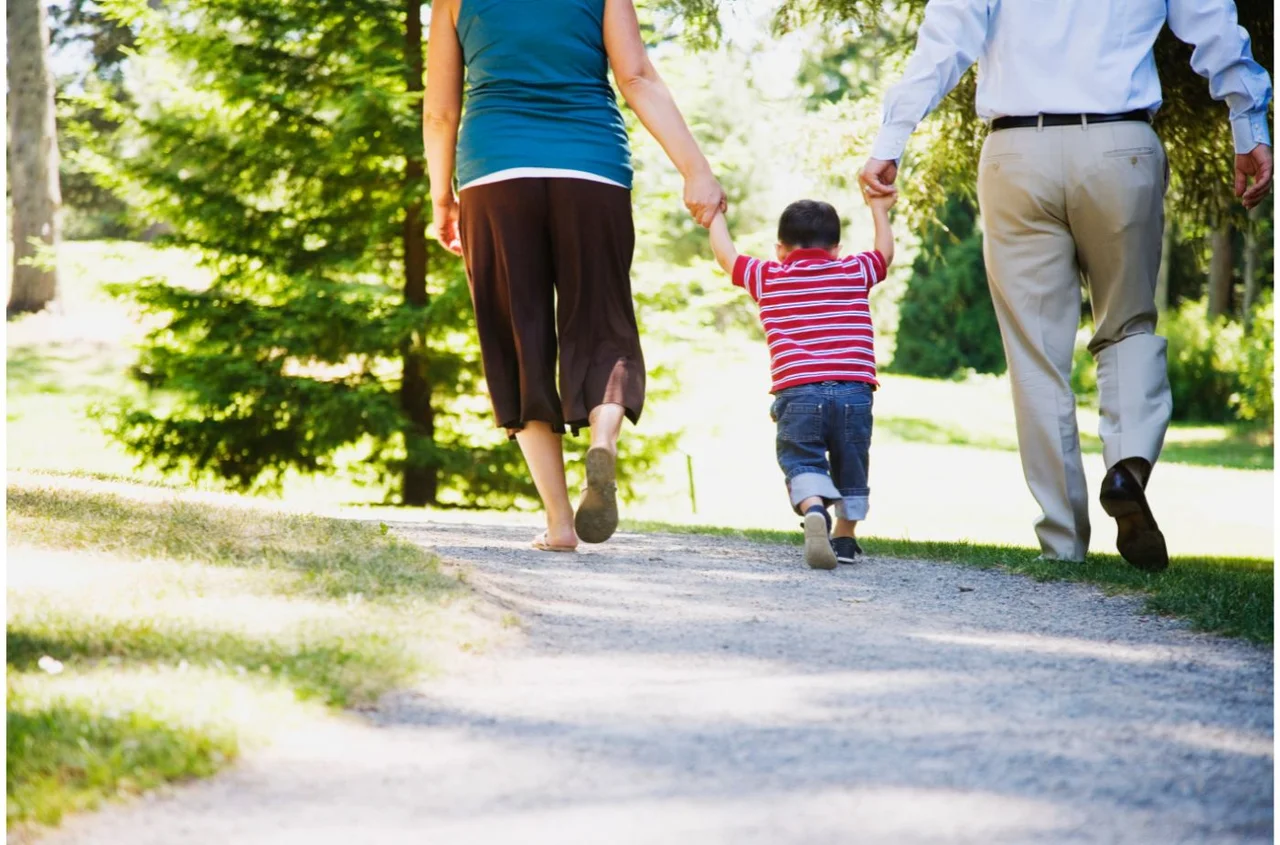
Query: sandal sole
x,y
597,515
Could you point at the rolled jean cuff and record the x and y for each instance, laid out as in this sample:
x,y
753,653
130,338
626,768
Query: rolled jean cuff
x,y
853,508
806,485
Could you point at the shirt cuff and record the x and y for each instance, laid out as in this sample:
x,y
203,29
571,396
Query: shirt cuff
x,y
890,143
1250,130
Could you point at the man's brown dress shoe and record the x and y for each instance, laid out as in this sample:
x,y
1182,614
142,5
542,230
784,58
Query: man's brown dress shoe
x,y
1138,537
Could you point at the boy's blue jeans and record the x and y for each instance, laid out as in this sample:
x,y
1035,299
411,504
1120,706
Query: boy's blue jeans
x,y
824,443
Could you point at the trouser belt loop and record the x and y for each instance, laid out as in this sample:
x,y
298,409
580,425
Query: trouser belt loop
x,y
1084,122
1040,122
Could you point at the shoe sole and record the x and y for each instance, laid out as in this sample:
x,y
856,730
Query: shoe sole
x,y
1138,539
817,545
597,515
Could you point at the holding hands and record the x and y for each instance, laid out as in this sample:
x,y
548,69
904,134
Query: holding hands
x,y
704,197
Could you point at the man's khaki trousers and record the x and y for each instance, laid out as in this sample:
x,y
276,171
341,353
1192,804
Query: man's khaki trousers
x,y
1061,205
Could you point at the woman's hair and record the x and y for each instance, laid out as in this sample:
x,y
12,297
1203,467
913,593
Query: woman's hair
x,y
809,223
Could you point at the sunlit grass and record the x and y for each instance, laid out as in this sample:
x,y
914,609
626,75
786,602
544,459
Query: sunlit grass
x,y
149,639
1230,596
1197,444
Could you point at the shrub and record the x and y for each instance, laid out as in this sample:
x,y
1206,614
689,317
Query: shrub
x,y
947,324
1204,363
1218,372
1254,401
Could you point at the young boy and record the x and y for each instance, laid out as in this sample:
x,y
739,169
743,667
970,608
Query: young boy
x,y
813,305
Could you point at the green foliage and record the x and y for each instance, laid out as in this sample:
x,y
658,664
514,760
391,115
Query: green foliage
x,y
944,157
1204,360
1218,371
1254,400
946,322
283,143
90,210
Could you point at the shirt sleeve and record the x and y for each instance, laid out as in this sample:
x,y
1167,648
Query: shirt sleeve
x,y
1222,55
872,265
747,273
950,39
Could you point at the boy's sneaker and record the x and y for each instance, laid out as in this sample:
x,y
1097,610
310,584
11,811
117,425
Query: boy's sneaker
x,y
817,542
847,549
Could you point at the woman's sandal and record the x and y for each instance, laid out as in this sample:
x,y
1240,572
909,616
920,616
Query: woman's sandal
x,y
597,515
540,543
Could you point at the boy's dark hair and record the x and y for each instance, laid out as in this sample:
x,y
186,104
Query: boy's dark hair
x,y
809,223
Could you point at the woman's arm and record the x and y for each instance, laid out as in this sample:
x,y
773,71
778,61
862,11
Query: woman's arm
x,y
441,112
648,95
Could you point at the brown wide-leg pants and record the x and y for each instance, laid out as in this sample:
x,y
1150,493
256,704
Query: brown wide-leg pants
x,y
549,263
1062,204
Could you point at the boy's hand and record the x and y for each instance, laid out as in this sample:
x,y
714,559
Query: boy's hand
x,y
880,202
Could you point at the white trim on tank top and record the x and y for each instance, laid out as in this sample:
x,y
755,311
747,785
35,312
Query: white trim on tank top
x,y
538,173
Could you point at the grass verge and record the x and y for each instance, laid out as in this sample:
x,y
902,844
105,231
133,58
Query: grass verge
x,y
1194,444
1229,596
150,639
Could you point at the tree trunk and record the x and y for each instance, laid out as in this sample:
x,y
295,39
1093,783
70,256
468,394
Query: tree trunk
x,y
421,481
1220,272
33,159
1250,267
1162,275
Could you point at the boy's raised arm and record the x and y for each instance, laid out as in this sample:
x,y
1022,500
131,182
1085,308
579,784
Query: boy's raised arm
x,y
722,243
884,230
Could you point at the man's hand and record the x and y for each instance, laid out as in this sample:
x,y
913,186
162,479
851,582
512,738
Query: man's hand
x,y
877,177
1257,164
444,223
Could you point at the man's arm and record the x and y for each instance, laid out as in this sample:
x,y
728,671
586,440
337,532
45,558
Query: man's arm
x,y
950,39
1222,55
722,244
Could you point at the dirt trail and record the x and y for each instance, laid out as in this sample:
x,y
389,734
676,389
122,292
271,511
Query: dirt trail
x,y
672,689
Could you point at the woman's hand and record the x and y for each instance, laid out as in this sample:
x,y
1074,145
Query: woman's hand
x,y
704,197
444,223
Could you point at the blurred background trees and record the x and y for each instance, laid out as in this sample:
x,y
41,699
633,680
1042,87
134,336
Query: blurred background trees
x,y
281,143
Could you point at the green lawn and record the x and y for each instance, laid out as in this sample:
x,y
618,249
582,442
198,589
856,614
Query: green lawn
x,y
150,638
1230,596
1195,444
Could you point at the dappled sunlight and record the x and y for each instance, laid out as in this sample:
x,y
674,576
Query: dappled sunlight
x,y
1026,643
105,590
651,690
250,702
1222,740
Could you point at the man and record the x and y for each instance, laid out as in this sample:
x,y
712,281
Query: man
x,y
1071,184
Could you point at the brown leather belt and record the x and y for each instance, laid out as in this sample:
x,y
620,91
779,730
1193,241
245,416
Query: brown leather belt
x,y
1068,120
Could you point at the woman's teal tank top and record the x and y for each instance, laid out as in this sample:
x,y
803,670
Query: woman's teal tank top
x,y
538,92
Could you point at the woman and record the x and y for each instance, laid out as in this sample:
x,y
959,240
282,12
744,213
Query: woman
x,y
542,218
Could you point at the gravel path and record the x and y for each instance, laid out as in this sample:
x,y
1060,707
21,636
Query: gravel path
x,y
695,690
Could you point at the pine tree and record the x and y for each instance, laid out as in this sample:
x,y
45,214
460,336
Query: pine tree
x,y
287,150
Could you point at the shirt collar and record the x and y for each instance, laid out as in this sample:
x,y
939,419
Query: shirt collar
x,y
807,254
